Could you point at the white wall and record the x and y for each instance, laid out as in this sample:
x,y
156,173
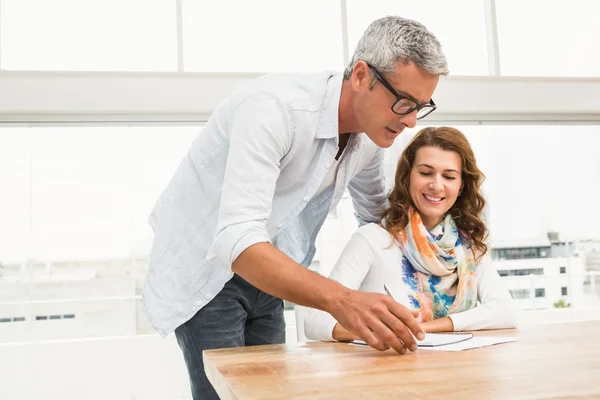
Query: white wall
x,y
138,367
101,96
102,306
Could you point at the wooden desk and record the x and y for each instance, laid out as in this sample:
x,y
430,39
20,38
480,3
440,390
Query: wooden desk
x,y
559,361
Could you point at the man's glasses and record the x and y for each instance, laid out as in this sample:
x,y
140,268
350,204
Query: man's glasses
x,y
404,105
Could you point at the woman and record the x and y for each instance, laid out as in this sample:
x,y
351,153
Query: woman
x,y
430,249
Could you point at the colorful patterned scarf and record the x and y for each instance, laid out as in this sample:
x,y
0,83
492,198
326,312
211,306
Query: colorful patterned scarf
x,y
437,267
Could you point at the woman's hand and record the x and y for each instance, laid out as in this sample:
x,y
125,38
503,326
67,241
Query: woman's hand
x,y
444,324
341,334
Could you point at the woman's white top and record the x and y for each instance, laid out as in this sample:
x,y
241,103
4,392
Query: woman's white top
x,y
372,258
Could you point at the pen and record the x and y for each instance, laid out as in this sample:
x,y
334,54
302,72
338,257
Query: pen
x,y
389,292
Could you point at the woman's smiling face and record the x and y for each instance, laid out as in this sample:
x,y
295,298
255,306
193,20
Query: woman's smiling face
x,y
435,183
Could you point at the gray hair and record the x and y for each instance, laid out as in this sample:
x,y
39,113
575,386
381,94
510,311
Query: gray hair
x,y
391,39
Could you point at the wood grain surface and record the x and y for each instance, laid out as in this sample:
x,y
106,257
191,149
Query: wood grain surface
x,y
560,361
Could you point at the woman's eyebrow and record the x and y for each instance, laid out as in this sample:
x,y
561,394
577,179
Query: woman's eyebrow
x,y
446,170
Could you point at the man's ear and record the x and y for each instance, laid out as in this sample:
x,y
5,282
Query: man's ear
x,y
361,76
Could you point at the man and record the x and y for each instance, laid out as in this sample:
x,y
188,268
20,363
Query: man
x,y
236,226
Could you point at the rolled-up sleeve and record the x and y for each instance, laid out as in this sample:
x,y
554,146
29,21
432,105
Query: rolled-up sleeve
x,y
260,135
369,191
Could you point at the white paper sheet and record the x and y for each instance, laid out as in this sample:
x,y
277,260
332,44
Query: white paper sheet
x,y
433,339
473,343
443,339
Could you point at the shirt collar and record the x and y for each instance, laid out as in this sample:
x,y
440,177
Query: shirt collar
x,y
328,127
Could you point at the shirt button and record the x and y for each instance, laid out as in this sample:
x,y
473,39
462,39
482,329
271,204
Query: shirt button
x,y
327,165
208,296
305,198
199,303
279,225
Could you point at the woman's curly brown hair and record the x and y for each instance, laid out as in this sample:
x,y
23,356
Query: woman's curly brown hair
x,y
468,208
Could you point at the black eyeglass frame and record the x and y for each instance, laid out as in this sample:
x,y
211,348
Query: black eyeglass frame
x,y
399,97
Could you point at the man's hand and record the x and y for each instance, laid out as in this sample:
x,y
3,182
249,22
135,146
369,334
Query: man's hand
x,y
378,320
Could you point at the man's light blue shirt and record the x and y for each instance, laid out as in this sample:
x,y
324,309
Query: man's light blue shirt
x,y
251,177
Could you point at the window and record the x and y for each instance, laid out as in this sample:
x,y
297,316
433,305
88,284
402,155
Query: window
x,y
519,293
93,35
552,154
545,159
518,253
561,43
463,36
521,272
75,199
262,36
563,270
83,206
563,291
90,191
15,319
14,213
540,292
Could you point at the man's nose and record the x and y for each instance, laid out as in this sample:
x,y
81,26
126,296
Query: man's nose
x,y
410,120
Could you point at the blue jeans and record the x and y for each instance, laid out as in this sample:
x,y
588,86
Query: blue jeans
x,y
240,315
